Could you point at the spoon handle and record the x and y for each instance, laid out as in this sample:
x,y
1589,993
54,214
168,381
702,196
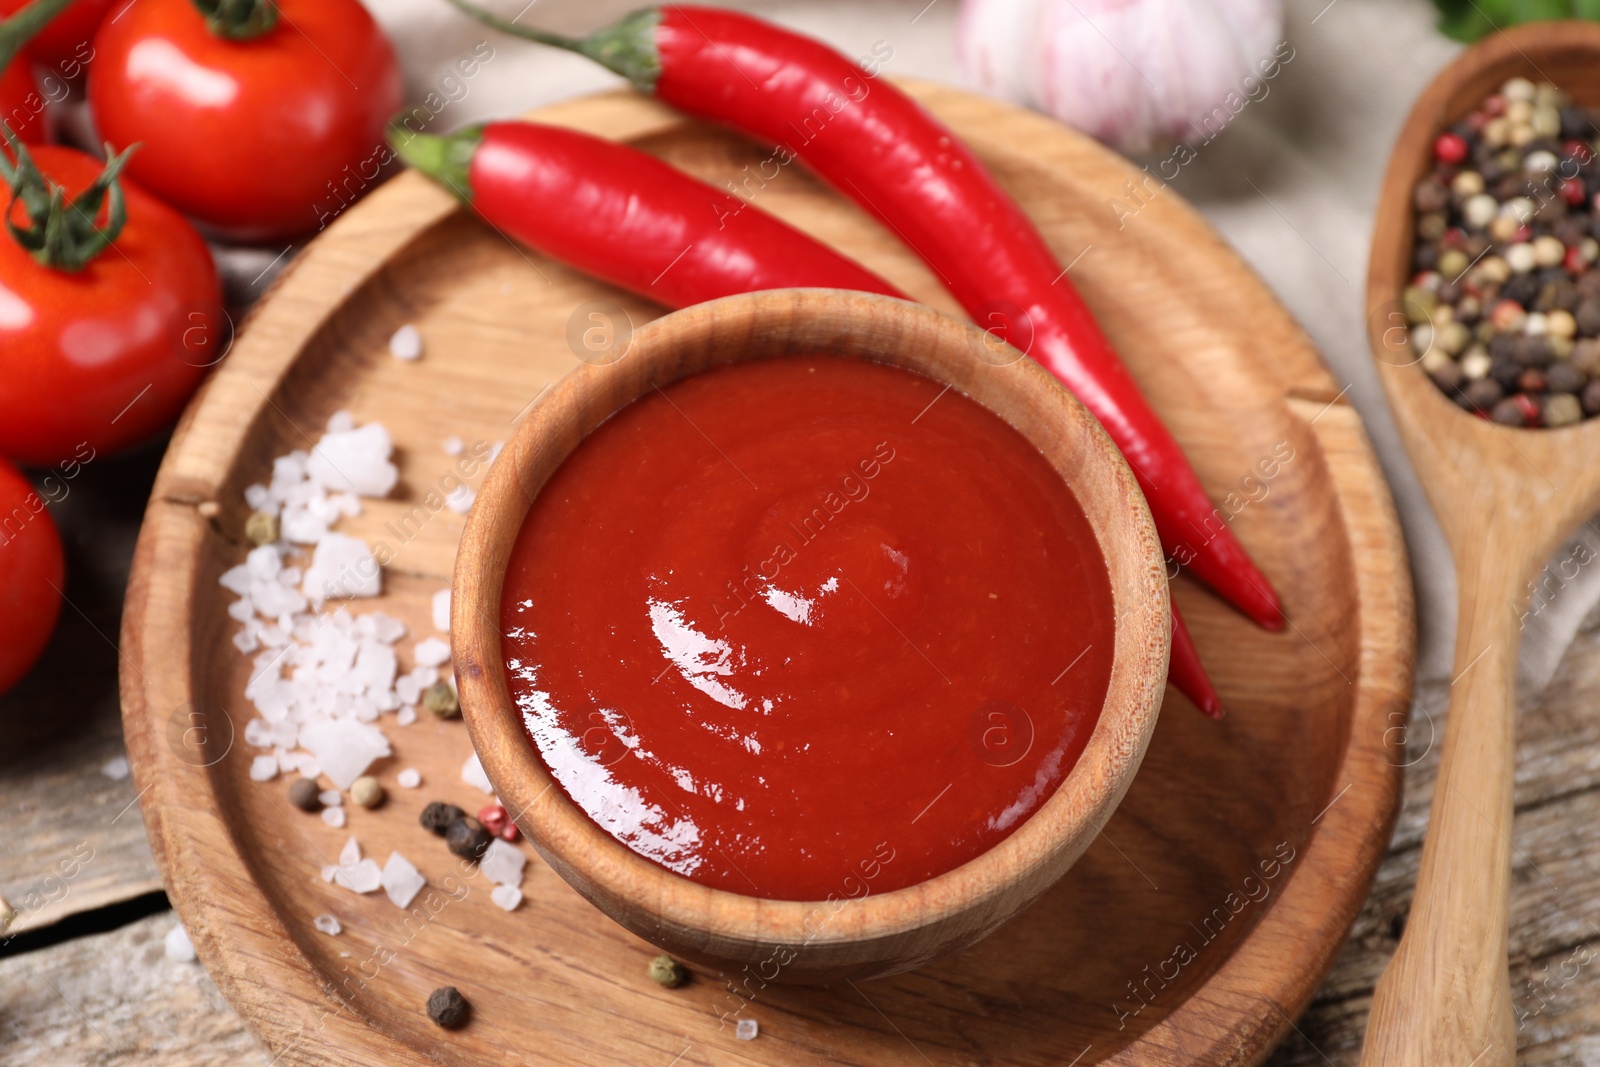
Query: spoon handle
x,y
1445,998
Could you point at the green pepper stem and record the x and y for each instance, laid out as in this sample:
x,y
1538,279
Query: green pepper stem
x,y
627,48
20,28
62,234
238,20
447,159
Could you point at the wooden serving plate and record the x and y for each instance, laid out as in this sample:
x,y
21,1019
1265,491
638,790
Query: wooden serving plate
x,y
1192,931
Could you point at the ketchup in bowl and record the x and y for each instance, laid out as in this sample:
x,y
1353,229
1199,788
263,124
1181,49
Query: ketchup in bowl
x,y
793,624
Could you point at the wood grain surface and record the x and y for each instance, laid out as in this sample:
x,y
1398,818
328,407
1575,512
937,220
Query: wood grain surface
x,y
1300,780
1506,500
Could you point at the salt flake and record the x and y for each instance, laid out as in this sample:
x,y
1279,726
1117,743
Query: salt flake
x,y
472,773
401,880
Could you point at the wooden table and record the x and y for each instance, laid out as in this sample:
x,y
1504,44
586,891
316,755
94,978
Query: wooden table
x,y
85,979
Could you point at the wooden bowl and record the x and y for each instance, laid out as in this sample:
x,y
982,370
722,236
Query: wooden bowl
x,y
873,934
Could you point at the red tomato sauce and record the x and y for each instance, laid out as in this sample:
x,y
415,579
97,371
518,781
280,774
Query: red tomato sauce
x,y
808,628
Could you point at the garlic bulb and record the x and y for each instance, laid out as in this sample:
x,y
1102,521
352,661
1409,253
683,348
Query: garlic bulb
x,y
1135,74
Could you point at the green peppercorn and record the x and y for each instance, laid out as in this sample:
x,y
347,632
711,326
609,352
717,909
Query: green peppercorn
x,y
440,698
261,528
305,794
666,971
1562,409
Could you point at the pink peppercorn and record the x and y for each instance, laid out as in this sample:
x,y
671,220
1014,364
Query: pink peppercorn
x,y
1450,148
1574,262
1572,192
494,818
1530,408
1495,105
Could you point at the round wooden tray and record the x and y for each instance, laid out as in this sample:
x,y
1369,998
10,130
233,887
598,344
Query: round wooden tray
x,y
1192,931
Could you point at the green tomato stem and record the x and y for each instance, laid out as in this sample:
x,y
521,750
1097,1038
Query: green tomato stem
x,y
20,28
61,234
239,20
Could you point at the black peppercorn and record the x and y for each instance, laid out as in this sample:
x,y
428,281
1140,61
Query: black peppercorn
x,y
1483,394
1534,350
438,816
1560,294
1531,381
1508,413
1591,398
1447,377
1503,347
447,1007
1522,288
304,793
1563,377
1425,257
1431,195
1588,316
1505,374
467,838
1575,123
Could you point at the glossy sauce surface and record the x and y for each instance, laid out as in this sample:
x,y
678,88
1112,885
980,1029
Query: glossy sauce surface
x,y
807,628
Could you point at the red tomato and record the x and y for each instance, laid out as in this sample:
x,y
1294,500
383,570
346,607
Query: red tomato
x,y
21,103
107,355
259,139
63,46
30,575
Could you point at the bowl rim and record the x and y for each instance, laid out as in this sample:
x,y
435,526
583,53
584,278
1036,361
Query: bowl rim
x,y
613,876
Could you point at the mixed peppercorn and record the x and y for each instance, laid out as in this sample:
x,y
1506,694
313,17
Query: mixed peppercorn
x,y
1504,307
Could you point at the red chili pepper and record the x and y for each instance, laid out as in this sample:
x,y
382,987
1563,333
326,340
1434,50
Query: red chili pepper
x,y
634,221
881,149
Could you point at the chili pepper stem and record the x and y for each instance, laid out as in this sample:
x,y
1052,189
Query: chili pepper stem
x,y
20,28
445,159
238,20
626,47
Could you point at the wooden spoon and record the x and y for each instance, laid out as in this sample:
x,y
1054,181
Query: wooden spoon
x,y
1506,499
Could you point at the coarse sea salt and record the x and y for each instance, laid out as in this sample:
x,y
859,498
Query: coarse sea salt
x,y
328,925
506,896
115,768
441,611
431,652
453,445
502,863
364,877
746,1030
264,768
410,778
178,947
350,855
334,817
406,343
401,880
472,773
